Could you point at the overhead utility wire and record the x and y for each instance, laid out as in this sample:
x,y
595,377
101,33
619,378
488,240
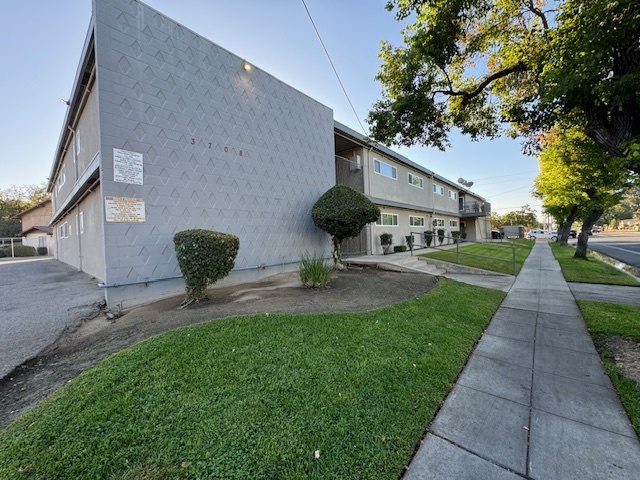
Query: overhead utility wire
x,y
333,66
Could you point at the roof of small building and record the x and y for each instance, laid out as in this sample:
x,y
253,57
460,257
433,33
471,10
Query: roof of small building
x,y
31,209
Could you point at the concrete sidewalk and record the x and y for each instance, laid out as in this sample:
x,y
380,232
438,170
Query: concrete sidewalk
x,y
533,401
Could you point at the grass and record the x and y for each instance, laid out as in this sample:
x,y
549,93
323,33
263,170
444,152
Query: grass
x,y
605,320
591,270
266,396
501,254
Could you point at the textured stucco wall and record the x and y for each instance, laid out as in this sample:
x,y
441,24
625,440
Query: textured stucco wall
x,y
223,148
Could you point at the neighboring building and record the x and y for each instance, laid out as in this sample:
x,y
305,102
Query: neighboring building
x,y
36,231
412,199
166,131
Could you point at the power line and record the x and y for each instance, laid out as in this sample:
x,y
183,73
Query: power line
x,y
333,66
509,175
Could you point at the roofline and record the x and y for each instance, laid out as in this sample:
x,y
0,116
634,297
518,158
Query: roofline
x,y
41,204
73,101
340,128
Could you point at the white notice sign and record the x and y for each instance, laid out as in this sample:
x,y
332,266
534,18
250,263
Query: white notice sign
x,y
127,167
123,210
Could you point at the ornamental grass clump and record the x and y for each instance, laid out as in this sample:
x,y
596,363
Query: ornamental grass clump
x,y
314,271
204,257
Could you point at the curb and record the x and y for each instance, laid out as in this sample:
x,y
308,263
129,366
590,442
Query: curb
x,y
633,271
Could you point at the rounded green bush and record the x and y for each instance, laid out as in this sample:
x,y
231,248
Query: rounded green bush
x,y
204,257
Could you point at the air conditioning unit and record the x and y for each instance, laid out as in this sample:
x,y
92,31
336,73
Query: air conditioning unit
x,y
356,163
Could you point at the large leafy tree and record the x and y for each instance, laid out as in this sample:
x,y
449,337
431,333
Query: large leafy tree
x,y
14,200
578,181
476,64
525,217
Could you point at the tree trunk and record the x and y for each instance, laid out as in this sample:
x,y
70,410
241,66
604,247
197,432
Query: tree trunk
x,y
337,254
565,227
583,238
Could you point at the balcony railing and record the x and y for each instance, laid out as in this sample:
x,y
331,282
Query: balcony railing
x,y
475,209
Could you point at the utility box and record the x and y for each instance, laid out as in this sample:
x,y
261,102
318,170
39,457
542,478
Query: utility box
x,y
512,231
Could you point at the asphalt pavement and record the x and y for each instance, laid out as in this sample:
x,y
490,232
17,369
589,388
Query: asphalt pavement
x,y
39,298
623,246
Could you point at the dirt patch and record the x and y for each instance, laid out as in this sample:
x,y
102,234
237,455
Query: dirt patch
x,y
84,345
626,355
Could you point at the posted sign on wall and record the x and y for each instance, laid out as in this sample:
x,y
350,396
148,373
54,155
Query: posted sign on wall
x,y
124,210
127,167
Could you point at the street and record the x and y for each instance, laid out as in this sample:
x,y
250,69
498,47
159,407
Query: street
x,y
623,246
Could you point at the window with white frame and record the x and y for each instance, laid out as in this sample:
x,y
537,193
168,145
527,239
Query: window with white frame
x,y
453,223
438,189
453,195
416,181
416,221
385,169
388,220
438,222
63,230
62,177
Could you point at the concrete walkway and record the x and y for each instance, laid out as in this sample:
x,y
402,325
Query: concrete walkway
x,y
533,401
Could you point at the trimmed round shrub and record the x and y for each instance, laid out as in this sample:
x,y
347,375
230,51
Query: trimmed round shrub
x,y
42,250
343,212
204,257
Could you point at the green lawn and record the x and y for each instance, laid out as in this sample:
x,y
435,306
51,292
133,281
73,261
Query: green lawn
x,y
591,270
611,319
501,253
265,396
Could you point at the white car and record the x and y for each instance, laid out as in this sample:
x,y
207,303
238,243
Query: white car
x,y
534,234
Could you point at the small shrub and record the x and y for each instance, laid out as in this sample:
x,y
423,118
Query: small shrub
x,y
440,236
386,239
428,237
400,248
204,258
456,236
409,240
314,271
18,251
42,250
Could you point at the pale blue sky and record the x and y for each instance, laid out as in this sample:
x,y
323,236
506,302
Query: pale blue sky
x,y
41,41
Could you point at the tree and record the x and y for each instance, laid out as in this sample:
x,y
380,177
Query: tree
x,y
525,217
14,200
343,212
475,64
578,180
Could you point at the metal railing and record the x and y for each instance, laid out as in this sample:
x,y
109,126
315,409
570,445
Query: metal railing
x,y
8,245
457,241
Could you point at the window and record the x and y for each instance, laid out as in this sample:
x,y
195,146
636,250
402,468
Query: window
x,y
81,223
438,222
415,181
62,177
416,221
439,189
385,169
453,223
63,230
453,195
388,219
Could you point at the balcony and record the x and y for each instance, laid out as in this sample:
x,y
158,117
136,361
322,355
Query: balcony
x,y
475,209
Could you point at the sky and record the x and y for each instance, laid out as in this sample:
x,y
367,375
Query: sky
x,y
41,43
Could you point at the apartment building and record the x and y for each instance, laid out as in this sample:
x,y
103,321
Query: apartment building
x,y
167,131
411,198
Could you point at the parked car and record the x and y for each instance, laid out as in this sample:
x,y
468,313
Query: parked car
x,y
573,233
534,234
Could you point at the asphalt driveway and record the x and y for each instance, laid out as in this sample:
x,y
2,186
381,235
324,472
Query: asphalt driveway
x,y
39,298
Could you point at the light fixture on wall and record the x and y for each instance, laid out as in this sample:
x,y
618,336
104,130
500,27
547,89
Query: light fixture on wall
x,y
246,65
